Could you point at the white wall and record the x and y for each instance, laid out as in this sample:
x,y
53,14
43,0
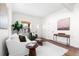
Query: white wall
x,y
50,25
35,21
75,26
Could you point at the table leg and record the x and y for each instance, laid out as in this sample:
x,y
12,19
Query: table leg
x,y
32,52
53,37
67,41
56,38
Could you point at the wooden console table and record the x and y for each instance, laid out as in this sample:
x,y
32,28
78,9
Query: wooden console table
x,y
63,35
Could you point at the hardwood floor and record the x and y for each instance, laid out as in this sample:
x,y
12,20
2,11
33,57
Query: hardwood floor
x,y
72,51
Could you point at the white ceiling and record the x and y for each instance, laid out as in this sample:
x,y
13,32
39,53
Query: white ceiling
x,y
40,9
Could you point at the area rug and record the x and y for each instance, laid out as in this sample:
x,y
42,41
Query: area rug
x,y
49,49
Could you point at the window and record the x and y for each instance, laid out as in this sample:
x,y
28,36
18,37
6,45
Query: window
x,y
3,22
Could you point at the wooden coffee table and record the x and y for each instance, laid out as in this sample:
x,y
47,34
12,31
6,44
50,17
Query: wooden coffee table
x,y
32,49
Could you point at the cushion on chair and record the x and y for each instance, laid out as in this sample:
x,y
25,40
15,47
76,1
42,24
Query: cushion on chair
x,y
26,39
15,37
22,38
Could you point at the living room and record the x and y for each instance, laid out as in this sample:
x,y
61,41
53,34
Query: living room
x,y
42,20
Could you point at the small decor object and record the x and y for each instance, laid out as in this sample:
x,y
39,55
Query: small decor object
x,y
31,44
61,33
17,26
32,37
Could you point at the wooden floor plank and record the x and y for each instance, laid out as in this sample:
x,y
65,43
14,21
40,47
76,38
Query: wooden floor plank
x,y
72,51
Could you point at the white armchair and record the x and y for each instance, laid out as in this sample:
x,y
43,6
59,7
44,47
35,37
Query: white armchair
x,y
15,47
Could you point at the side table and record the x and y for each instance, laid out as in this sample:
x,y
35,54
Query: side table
x,y
32,49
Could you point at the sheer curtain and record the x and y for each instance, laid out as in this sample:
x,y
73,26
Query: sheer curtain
x,y
3,22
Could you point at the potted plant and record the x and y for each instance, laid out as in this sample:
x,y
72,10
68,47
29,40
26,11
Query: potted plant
x,y
32,37
17,26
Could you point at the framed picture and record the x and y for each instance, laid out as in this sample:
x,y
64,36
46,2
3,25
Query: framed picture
x,y
64,24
